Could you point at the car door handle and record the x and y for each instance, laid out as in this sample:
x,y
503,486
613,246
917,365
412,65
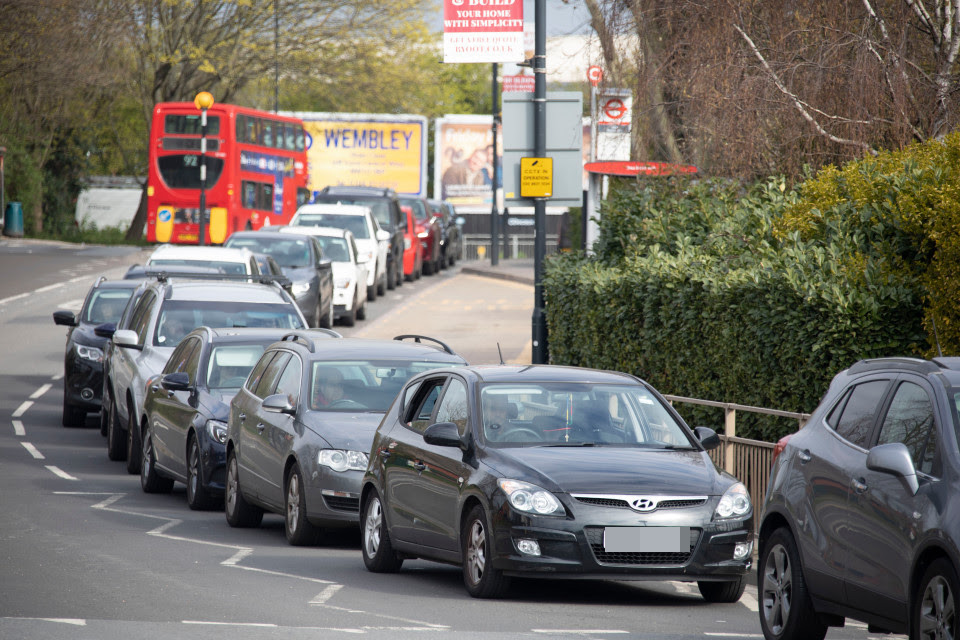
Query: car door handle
x,y
859,485
419,466
805,456
261,427
242,416
385,454
154,388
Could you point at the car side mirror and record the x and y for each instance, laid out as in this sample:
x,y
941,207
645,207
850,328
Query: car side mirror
x,y
105,330
708,437
65,318
382,235
894,458
444,434
177,381
127,339
279,403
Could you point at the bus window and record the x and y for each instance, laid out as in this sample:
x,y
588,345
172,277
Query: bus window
x,y
249,195
190,125
266,127
301,142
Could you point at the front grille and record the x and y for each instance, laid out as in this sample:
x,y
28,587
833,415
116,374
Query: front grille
x,y
623,502
595,538
342,504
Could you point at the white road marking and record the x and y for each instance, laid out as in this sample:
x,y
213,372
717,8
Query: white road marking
x,y
39,392
49,287
33,450
580,632
72,304
22,409
718,634
16,297
18,429
77,622
59,376
265,625
749,599
57,471
326,594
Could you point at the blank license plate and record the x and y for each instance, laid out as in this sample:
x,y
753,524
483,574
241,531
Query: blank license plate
x,y
646,539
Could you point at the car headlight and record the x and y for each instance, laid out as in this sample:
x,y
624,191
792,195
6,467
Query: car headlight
x,y
89,353
217,430
735,502
342,460
300,288
530,498
423,234
344,283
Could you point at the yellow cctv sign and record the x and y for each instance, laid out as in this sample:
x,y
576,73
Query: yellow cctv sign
x,y
536,177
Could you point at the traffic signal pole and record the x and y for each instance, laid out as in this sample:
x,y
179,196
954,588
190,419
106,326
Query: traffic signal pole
x,y
539,351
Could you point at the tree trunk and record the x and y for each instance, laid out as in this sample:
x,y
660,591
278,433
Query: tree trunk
x,y
135,232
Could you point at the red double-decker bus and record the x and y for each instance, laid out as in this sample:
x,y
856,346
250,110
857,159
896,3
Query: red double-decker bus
x,y
256,171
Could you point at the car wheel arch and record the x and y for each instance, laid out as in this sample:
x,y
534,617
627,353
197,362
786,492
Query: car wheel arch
x,y
932,552
466,506
291,461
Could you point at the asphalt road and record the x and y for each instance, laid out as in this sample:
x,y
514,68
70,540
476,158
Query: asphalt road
x,y
85,554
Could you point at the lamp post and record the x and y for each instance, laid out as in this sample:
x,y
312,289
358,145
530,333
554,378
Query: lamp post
x,y
203,101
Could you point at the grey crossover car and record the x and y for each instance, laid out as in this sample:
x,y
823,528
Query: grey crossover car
x,y
301,426
859,519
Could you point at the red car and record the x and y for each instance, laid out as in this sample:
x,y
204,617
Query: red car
x,y
429,232
412,248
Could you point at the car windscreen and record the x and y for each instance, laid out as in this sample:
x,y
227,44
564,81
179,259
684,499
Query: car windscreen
x,y
355,224
578,414
291,253
419,210
334,249
106,305
235,268
362,385
230,364
180,317
379,206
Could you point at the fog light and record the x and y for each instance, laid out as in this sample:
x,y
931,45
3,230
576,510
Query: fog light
x,y
742,550
528,547
86,393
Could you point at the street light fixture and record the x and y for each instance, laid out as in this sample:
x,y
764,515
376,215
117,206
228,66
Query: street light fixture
x,y
203,101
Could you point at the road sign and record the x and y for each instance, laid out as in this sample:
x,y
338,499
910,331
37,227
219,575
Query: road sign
x,y
594,75
639,168
536,177
518,83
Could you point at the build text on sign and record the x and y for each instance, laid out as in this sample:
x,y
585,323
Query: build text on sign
x,y
483,31
536,177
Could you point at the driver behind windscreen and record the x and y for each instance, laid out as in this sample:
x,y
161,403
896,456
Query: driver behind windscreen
x,y
327,387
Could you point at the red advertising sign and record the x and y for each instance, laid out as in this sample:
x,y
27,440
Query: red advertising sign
x,y
483,31
639,168
594,75
519,84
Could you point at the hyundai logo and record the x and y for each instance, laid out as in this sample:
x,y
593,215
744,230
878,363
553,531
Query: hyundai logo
x,y
643,504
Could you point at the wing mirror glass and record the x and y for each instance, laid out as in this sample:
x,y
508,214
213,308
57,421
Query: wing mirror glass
x,y
708,437
444,434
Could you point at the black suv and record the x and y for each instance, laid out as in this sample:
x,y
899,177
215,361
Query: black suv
x,y
83,358
386,209
860,518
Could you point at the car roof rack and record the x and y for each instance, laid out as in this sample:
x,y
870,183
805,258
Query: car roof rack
x,y
948,362
307,339
911,364
418,338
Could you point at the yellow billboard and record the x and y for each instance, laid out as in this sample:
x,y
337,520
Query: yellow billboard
x,y
366,149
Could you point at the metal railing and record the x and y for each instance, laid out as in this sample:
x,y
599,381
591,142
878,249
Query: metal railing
x,y
513,246
748,460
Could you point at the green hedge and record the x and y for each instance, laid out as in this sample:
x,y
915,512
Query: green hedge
x,y
692,291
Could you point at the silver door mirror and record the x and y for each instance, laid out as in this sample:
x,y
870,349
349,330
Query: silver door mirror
x,y
894,458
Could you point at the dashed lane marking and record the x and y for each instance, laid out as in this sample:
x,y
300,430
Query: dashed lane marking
x,y
39,392
57,471
33,450
22,409
18,429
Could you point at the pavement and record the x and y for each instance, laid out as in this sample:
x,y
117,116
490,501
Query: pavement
x,y
516,270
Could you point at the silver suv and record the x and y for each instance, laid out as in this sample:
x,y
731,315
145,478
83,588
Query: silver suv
x,y
166,312
859,519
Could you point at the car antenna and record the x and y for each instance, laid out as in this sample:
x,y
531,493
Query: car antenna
x,y
935,336
501,353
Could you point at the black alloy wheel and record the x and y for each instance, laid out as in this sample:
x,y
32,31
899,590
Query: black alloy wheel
x,y
133,441
786,612
150,480
198,497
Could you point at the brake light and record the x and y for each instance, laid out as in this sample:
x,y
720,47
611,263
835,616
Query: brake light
x,y
778,448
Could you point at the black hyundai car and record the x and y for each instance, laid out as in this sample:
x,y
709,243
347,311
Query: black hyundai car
x,y
551,472
83,358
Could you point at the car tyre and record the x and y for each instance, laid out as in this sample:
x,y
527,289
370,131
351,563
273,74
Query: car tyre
x,y
372,292
134,445
935,603
150,480
198,497
116,443
239,512
300,531
786,612
73,416
378,553
104,413
392,276
427,268
476,543
324,319
729,591
349,319
382,284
